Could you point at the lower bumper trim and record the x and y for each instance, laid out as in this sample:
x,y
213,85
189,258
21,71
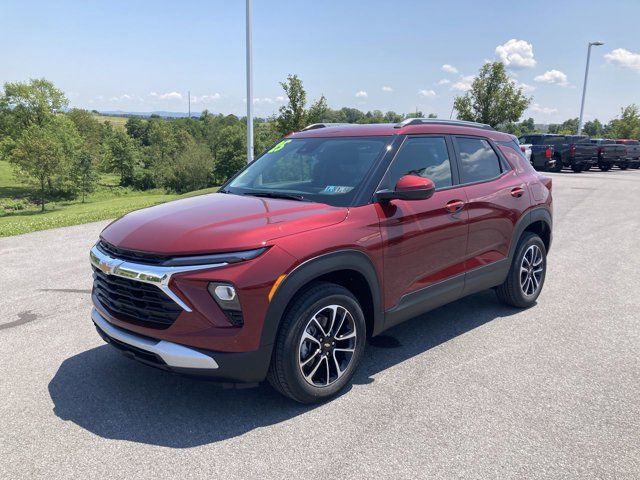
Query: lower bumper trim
x,y
173,355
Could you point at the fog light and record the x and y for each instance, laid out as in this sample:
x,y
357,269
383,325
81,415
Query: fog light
x,y
227,299
225,292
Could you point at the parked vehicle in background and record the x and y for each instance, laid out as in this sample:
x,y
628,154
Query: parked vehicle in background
x,y
633,151
538,151
570,151
332,236
610,153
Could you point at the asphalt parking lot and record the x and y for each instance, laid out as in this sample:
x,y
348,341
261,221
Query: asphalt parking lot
x,y
471,390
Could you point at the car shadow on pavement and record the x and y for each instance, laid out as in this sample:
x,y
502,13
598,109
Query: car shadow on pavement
x,y
116,398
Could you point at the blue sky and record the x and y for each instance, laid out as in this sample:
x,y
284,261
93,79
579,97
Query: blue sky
x,y
144,56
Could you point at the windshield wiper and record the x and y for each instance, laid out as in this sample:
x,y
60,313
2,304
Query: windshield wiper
x,y
288,196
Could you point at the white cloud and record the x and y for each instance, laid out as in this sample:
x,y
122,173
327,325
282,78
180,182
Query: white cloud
x,y
624,58
387,89
426,93
516,54
280,99
170,96
361,94
448,68
464,83
444,81
525,87
536,107
555,77
210,98
263,100
122,97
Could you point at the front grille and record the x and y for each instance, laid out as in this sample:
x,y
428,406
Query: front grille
x,y
130,300
132,255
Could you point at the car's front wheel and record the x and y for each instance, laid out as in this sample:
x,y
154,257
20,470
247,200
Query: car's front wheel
x,y
319,345
527,273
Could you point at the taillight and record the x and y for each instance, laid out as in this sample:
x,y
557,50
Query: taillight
x,y
523,149
600,150
548,152
572,150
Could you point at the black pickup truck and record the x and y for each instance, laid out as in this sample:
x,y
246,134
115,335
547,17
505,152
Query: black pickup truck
x,y
571,151
537,151
633,151
610,153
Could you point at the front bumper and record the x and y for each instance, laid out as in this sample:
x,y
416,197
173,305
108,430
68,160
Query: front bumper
x,y
242,367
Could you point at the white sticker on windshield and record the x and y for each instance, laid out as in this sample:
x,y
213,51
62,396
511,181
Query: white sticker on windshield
x,y
334,189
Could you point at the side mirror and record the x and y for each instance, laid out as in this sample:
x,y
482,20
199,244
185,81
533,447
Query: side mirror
x,y
409,187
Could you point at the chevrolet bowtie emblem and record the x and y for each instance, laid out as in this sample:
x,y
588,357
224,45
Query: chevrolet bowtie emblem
x,y
105,267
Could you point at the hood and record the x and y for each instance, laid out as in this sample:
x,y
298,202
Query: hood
x,y
217,223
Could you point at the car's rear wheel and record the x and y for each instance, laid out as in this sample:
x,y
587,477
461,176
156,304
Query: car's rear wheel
x,y
586,167
527,273
576,167
623,167
605,167
319,345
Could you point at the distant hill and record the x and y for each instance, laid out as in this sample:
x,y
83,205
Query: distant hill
x,y
160,113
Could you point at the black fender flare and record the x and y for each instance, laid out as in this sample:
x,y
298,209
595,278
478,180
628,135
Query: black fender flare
x,y
534,215
313,268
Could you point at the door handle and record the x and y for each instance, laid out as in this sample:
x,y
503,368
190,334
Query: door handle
x,y
454,206
517,192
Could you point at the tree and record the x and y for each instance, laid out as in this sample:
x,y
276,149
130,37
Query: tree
x,y
229,152
317,111
523,128
494,98
294,116
44,155
85,174
627,126
32,103
192,169
593,128
121,156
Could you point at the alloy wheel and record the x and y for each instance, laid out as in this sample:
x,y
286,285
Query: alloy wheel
x,y
531,269
327,345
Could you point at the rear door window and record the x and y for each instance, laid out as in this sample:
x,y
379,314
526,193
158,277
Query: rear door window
x,y
478,161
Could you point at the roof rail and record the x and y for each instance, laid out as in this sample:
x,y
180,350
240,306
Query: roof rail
x,y
437,121
315,126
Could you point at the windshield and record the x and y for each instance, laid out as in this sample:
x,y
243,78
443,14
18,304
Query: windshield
x,y
325,170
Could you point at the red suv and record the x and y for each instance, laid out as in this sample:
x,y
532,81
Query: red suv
x,y
335,234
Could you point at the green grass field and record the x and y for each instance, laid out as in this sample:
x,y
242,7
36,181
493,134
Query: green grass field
x,y
18,215
115,121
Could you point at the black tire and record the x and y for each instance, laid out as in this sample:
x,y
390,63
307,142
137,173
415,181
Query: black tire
x,y
558,166
636,165
576,167
586,168
624,167
286,370
605,167
511,291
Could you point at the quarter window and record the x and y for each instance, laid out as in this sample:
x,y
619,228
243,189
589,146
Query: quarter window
x,y
423,156
478,160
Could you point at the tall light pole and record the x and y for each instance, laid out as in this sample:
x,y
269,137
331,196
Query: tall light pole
x,y
249,84
584,87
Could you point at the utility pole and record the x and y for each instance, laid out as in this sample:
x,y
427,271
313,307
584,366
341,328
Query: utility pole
x,y
584,86
249,84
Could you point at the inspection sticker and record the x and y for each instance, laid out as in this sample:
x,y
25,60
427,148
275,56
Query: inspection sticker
x,y
334,189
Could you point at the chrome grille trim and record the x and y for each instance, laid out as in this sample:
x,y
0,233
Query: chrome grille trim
x,y
151,274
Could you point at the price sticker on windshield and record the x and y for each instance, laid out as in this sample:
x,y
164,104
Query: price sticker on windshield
x,y
279,146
